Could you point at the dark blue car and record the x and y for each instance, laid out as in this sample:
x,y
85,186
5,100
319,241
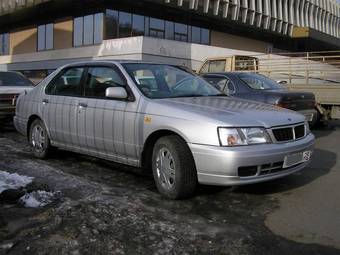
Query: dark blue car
x,y
260,88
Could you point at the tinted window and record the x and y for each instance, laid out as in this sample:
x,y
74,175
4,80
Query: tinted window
x,y
157,28
101,78
67,84
205,36
138,25
169,30
125,24
259,82
181,32
4,44
135,25
13,79
111,24
195,34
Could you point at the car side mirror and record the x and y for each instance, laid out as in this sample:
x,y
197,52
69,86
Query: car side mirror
x,y
282,82
116,92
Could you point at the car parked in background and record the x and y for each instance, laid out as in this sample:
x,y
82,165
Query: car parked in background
x,y
164,118
260,88
11,85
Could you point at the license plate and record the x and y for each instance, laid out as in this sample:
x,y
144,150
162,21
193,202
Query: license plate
x,y
309,117
295,159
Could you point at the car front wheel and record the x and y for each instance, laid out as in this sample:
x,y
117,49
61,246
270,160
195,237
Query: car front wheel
x,y
173,168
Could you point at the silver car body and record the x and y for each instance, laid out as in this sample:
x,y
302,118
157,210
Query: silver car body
x,y
119,130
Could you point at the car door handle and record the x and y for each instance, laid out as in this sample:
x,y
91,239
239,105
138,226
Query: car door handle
x,y
45,101
83,105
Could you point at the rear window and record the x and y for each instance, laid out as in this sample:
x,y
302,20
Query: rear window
x,y
214,66
13,79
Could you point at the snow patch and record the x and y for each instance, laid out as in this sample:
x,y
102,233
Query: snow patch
x,y
13,181
38,198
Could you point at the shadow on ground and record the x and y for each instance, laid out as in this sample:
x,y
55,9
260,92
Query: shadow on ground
x,y
109,208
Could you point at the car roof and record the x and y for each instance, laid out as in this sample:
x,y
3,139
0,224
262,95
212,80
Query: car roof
x,y
113,61
228,73
10,72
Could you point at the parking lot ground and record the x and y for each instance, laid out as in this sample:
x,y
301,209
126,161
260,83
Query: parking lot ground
x,y
107,208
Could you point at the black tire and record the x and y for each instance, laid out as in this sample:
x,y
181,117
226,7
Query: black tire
x,y
39,151
185,181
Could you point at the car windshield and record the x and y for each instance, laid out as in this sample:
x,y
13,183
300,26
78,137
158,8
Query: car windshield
x,y
259,82
166,81
13,79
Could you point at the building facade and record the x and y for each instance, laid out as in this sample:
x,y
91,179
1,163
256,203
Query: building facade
x,y
37,36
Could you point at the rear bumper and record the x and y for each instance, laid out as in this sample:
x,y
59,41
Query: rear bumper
x,y
220,165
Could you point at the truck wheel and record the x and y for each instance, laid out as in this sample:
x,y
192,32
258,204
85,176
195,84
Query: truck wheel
x,y
174,168
39,140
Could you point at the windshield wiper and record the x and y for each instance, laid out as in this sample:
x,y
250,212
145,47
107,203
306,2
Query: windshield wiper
x,y
219,95
189,95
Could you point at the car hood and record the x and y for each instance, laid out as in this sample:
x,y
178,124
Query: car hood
x,y
14,89
228,111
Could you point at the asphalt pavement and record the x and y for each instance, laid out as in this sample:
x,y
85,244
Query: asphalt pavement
x,y
107,208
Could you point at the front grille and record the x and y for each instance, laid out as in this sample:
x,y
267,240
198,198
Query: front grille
x,y
299,131
289,133
283,134
8,99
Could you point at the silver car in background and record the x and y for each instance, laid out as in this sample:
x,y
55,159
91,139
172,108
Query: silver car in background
x,y
164,118
12,84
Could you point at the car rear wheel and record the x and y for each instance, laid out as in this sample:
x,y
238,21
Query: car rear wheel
x,y
39,140
173,168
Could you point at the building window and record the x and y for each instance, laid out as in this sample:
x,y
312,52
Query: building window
x,y
111,24
125,24
169,30
157,28
88,30
205,36
181,32
4,44
122,24
195,34
45,37
138,25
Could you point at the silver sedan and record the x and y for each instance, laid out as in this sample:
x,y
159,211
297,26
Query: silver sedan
x,y
164,118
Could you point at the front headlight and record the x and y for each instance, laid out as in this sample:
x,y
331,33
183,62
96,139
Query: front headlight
x,y
243,136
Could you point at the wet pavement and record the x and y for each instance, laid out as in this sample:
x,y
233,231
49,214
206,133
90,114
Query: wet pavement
x,y
107,208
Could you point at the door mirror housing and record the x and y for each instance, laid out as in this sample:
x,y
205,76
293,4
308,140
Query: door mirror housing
x,y
282,82
116,92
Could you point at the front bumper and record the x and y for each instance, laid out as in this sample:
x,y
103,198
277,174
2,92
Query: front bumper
x,y
7,111
311,115
220,165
